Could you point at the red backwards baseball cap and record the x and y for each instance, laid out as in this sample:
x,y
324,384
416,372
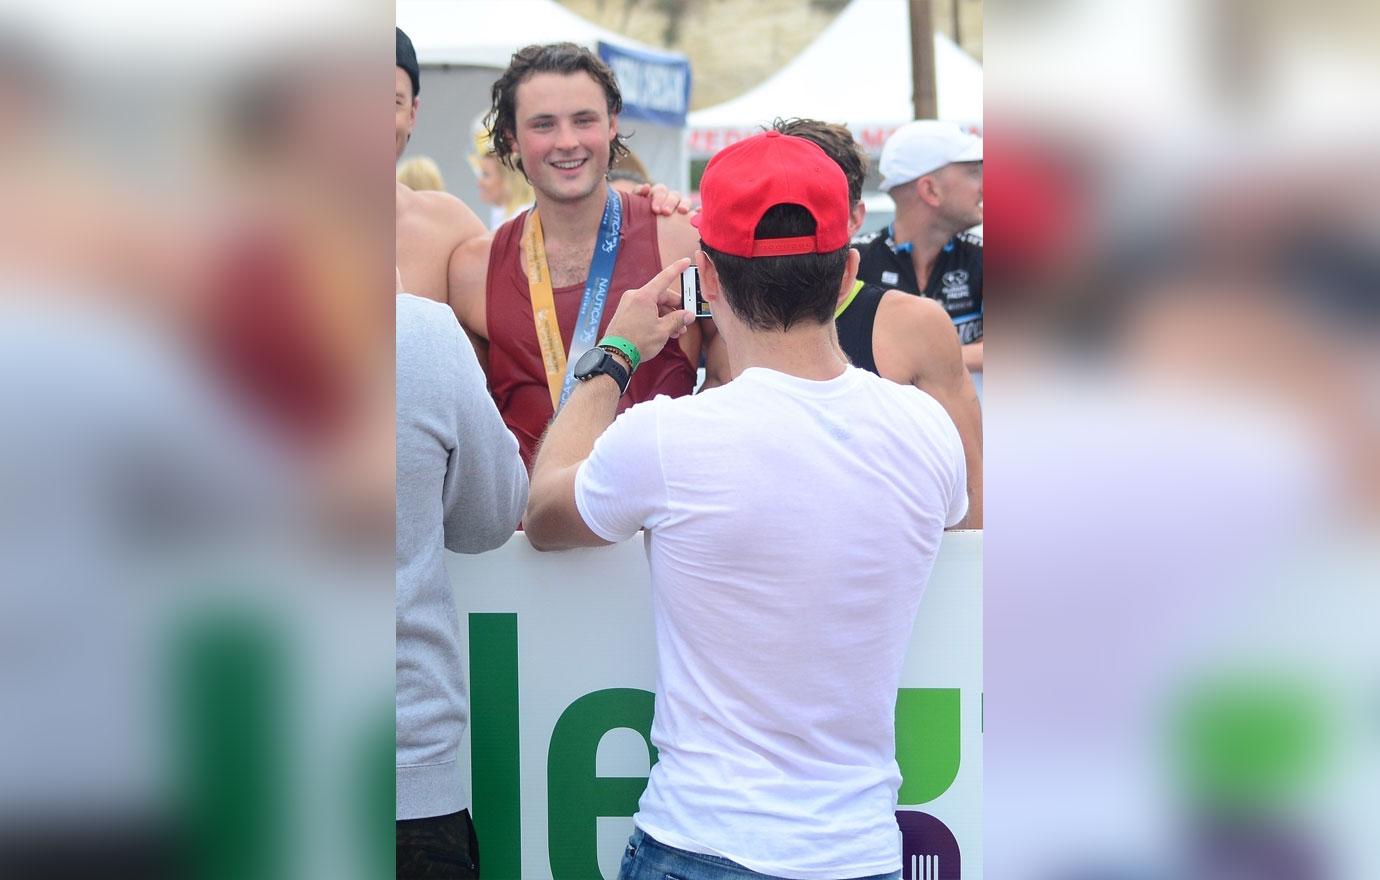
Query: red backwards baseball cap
x,y
744,180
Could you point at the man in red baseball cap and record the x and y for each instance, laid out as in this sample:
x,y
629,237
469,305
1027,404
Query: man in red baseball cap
x,y
793,516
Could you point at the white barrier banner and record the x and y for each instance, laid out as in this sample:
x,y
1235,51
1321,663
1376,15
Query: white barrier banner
x,y
562,665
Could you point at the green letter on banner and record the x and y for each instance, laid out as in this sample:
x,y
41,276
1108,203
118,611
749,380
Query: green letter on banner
x,y
495,769
927,742
376,798
576,797
233,687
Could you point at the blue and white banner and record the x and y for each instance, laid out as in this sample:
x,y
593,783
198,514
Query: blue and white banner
x,y
655,87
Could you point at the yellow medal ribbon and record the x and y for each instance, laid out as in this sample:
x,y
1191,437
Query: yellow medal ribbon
x,y
544,307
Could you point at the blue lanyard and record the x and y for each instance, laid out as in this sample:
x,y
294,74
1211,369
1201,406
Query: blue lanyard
x,y
596,288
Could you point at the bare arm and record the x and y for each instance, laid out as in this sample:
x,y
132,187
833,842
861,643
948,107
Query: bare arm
x,y
914,343
648,317
466,278
972,356
428,228
461,223
553,520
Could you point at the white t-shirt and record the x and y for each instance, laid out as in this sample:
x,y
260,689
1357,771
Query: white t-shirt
x,y
791,527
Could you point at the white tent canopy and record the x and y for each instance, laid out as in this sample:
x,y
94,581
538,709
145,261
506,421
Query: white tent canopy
x,y
485,33
463,46
856,72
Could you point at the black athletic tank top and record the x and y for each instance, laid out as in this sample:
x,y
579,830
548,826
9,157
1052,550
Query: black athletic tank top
x,y
854,323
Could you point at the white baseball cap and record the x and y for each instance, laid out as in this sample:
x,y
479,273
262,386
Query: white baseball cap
x,y
917,148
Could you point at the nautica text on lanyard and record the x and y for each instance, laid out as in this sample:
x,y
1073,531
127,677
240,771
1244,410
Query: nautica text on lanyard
x,y
560,368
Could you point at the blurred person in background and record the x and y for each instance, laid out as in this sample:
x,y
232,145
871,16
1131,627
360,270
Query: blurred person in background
x,y
110,425
525,288
461,486
787,564
294,265
1296,280
139,476
420,173
1193,370
504,189
193,682
66,216
933,172
904,338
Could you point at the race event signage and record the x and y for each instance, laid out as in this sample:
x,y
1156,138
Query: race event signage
x,y
705,142
561,669
655,87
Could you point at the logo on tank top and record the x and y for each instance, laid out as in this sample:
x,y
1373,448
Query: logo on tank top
x,y
955,284
890,278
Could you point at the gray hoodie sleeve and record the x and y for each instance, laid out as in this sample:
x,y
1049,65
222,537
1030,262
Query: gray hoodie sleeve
x,y
485,489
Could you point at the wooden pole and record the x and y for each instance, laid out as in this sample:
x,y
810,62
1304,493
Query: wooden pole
x,y
922,60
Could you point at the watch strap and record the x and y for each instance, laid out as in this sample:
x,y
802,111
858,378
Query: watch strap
x,y
623,347
607,365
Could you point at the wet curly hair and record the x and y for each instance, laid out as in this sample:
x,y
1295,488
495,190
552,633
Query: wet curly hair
x,y
563,58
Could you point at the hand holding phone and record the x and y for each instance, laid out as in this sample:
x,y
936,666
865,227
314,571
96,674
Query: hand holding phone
x,y
694,301
650,315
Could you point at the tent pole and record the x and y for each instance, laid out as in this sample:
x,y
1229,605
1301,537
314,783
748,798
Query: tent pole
x,y
922,60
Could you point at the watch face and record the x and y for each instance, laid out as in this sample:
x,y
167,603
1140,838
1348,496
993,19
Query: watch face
x,y
588,361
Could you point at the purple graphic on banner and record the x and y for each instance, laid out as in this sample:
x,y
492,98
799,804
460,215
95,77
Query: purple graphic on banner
x,y
928,848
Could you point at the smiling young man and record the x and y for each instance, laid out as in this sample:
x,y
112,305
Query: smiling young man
x,y
541,289
792,516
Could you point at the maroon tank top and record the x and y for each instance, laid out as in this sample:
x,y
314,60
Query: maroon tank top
x,y
516,377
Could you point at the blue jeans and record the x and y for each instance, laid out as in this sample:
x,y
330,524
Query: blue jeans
x,y
646,858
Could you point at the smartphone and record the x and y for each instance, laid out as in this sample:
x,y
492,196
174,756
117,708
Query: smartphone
x,y
690,293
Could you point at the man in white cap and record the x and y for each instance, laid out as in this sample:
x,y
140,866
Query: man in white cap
x,y
933,172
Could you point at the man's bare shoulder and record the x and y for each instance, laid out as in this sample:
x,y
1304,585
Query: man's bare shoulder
x,y
911,315
472,255
437,207
913,341
469,266
430,226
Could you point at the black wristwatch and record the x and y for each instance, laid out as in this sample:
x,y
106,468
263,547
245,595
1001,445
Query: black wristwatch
x,y
596,361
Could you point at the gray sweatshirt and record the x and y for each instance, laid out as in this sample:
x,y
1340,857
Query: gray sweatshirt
x,y
461,486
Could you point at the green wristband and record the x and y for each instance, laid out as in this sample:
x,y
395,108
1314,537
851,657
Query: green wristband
x,y
624,347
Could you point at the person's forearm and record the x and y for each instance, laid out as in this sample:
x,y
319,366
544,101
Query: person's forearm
x,y
973,459
587,413
553,519
972,356
960,401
